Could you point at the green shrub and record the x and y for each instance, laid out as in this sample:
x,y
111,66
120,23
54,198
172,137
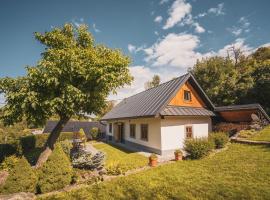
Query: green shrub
x,y
28,142
9,163
56,173
198,147
220,139
84,160
21,178
7,150
94,133
41,139
65,136
247,133
116,168
66,146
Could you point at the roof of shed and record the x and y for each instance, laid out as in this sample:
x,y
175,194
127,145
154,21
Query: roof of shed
x,y
242,107
75,126
151,102
186,111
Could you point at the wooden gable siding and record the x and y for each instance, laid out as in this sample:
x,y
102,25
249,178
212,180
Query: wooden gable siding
x,y
178,100
237,116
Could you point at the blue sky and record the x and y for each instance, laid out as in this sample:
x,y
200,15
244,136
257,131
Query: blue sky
x,y
162,37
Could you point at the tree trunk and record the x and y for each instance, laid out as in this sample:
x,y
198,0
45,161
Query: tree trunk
x,y
49,145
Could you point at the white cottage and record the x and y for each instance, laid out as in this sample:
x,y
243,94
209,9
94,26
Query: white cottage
x,y
161,118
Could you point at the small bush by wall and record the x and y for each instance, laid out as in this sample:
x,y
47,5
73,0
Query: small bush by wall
x,y
56,173
220,139
21,178
7,150
198,147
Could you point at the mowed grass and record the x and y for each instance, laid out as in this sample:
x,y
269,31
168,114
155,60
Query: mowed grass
x,y
263,135
122,157
240,172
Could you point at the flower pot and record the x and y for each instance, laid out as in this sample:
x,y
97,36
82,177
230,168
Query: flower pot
x,y
178,156
152,162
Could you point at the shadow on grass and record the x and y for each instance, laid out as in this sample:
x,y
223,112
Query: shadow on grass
x,y
121,147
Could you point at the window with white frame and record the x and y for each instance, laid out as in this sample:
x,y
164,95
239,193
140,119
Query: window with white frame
x,y
189,132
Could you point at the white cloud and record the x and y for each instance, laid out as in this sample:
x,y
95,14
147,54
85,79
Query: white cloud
x,y
141,75
77,22
219,10
239,43
177,50
131,48
177,12
241,27
96,29
198,28
163,2
158,19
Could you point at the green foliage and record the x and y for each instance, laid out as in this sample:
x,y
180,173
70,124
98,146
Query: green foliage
x,y
116,168
198,147
155,82
21,178
262,135
153,156
220,139
236,79
247,133
9,163
85,160
74,75
230,174
7,150
95,133
56,173
66,146
28,142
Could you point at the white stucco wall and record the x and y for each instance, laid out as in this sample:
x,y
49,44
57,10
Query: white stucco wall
x,y
173,130
165,134
154,139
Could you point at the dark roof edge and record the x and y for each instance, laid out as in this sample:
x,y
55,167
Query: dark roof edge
x,y
242,107
134,117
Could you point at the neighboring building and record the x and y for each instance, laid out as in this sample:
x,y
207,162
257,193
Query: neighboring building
x,y
75,126
161,118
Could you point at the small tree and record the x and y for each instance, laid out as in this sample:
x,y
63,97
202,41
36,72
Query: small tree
x,y
74,76
21,178
56,172
155,82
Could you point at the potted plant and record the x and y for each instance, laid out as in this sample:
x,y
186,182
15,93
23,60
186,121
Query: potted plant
x,y
153,160
178,154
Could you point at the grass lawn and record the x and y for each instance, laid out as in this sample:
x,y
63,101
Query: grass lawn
x,y
240,172
263,135
120,159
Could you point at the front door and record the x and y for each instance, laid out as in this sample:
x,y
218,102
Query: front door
x,y
121,133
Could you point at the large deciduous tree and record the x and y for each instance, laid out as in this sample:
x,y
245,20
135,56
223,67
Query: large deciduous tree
x,y
73,76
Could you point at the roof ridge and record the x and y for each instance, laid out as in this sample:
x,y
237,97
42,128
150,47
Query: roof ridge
x,y
159,85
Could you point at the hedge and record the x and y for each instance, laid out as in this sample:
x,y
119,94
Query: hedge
x,y
56,172
37,141
220,139
21,178
198,147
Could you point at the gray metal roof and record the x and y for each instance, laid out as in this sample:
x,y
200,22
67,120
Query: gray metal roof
x,y
186,111
151,102
146,103
75,126
243,107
